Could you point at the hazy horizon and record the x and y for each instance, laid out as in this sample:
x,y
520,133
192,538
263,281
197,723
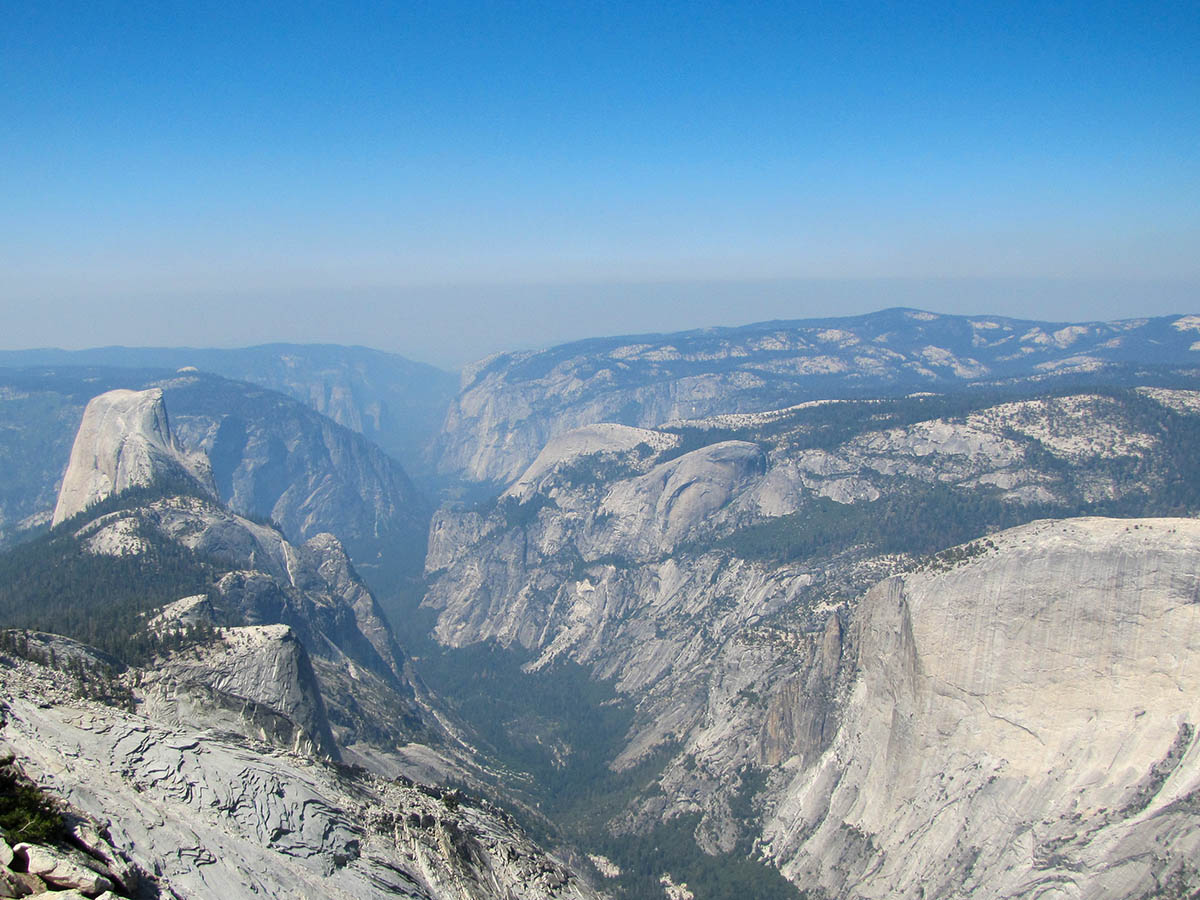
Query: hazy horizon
x,y
451,327
448,180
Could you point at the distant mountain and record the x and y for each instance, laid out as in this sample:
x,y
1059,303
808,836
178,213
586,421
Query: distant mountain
x,y
125,441
272,457
512,404
397,403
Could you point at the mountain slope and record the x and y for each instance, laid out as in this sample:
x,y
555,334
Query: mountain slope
x,y
275,458
510,405
241,669
271,458
165,548
393,401
212,815
711,571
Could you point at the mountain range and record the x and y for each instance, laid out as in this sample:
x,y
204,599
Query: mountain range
x,y
896,605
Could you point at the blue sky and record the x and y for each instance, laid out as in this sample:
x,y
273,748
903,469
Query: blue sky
x,y
438,177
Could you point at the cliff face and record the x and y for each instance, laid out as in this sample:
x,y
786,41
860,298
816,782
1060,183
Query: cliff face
x,y
275,458
304,656
1023,724
254,680
721,591
269,457
125,441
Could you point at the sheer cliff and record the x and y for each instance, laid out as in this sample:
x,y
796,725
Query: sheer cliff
x,y
271,457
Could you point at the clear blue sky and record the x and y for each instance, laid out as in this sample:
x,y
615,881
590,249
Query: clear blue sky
x,y
225,173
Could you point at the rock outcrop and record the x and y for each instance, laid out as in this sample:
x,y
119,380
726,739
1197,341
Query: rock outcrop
x,y
1022,724
125,441
211,816
255,680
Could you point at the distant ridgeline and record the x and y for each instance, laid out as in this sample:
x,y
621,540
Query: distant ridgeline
x,y
395,402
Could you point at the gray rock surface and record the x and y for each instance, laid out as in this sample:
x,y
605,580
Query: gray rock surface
x,y
216,818
393,401
1023,724
10,885
255,680
125,441
313,609
274,458
59,870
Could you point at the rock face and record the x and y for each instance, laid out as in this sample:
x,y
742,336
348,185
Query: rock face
x,y
271,457
310,592
720,589
254,680
305,657
214,817
611,528
1023,724
511,405
125,441
275,458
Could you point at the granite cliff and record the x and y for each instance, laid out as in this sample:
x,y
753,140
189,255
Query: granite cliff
x,y
726,593
271,457
394,402
125,441
1021,724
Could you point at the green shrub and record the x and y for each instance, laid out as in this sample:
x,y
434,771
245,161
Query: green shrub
x,y
26,814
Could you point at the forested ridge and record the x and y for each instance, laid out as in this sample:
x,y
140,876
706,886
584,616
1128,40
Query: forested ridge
x,y
54,584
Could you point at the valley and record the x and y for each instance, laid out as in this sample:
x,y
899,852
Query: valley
x,y
900,605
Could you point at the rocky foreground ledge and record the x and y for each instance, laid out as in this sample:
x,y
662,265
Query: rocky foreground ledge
x,y
55,851
197,814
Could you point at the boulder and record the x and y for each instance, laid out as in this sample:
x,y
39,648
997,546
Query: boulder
x,y
56,869
10,884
